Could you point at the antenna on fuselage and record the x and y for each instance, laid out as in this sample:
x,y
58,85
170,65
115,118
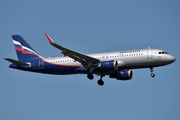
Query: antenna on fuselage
x,y
149,48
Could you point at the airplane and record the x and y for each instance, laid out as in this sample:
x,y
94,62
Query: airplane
x,y
117,65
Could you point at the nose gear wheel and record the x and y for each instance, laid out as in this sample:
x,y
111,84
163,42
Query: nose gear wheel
x,y
152,74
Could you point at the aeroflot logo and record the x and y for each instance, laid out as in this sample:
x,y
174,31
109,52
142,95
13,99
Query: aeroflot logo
x,y
19,44
24,49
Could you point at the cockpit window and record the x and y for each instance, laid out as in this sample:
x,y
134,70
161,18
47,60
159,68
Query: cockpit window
x,y
163,53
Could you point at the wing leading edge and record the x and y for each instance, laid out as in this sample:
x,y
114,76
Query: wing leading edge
x,y
87,61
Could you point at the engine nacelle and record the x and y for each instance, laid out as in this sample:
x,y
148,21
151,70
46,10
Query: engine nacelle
x,y
122,75
108,65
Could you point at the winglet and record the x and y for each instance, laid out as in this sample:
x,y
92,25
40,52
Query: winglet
x,y
49,39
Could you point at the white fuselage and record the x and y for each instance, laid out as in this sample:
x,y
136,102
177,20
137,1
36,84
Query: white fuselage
x,y
130,59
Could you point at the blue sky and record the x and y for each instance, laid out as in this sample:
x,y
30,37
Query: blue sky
x,y
90,27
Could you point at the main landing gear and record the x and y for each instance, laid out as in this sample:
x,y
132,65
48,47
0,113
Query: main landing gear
x,y
90,76
152,74
99,82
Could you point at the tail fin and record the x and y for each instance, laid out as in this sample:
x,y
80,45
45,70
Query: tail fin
x,y
24,51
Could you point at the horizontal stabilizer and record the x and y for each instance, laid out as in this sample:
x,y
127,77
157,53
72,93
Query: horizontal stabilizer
x,y
16,62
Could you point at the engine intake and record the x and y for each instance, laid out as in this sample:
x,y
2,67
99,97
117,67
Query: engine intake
x,y
122,75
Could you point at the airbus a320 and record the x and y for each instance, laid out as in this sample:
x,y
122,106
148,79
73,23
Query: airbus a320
x,y
116,65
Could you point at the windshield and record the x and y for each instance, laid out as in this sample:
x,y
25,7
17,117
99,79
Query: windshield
x,y
163,52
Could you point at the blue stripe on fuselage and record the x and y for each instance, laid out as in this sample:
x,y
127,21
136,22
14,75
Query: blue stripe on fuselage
x,y
49,68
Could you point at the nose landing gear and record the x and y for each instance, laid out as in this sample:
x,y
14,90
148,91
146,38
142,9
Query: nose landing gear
x,y
152,74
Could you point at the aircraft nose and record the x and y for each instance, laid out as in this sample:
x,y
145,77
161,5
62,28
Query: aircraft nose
x,y
171,59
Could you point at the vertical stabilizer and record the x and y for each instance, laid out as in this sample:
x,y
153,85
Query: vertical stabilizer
x,y
24,51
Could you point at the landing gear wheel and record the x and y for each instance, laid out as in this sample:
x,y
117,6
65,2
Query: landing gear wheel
x,y
100,82
152,75
90,76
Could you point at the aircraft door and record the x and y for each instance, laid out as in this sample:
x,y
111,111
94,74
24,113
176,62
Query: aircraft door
x,y
41,64
149,53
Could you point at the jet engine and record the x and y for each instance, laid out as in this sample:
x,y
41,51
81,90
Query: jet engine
x,y
108,65
122,75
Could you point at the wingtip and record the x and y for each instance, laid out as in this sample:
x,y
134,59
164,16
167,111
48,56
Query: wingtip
x,y
49,39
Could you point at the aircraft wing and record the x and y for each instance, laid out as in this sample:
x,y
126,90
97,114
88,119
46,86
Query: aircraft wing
x,y
85,60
